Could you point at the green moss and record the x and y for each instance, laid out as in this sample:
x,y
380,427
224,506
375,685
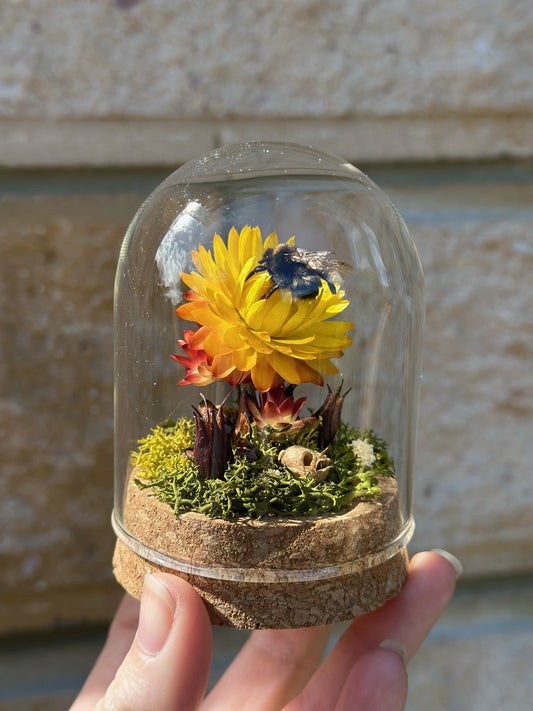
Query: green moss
x,y
255,484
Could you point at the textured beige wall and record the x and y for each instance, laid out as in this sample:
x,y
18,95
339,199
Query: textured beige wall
x,y
305,58
57,261
404,86
134,82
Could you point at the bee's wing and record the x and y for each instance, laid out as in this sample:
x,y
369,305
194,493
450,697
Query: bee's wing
x,y
302,256
326,262
342,268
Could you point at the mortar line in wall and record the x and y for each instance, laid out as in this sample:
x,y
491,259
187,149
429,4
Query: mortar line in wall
x,y
24,182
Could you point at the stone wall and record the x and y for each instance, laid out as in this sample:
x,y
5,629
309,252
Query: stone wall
x,y
99,101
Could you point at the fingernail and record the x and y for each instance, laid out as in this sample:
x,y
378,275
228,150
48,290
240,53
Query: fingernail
x,y
156,615
451,559
397,647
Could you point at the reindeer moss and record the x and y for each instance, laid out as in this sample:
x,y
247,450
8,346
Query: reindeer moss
x,y
255,484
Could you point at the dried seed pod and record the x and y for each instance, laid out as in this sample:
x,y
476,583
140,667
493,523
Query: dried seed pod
x,y
305,462
330,412
244,418
203,445
212,442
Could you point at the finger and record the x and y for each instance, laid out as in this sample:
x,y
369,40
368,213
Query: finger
x,y
119,640
168,663
378,681
271,668
407,619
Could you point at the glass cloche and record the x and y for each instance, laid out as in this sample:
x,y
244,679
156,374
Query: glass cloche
x,y
269,308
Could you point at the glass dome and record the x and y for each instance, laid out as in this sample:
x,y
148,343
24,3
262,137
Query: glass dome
x,y
269,307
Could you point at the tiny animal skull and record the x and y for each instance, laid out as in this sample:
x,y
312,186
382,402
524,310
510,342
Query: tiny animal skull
x,y
305,462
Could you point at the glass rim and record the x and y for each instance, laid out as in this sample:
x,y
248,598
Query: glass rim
x,y
265,575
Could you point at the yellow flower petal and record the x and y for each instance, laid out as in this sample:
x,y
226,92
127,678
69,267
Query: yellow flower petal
x,y
215,344
286,366
263,375
245,359
260,340
220,252
276,311
245,269
233,246
223,365
271,241
323,366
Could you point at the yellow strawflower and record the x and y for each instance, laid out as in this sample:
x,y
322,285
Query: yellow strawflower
x,y
267,340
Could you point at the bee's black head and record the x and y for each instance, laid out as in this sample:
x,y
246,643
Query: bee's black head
x,y
280,254
267,254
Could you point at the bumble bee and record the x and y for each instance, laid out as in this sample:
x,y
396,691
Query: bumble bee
x,y
298,271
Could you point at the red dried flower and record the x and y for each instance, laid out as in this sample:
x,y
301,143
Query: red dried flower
x,y
278,410
196,362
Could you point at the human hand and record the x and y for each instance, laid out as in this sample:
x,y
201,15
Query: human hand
x,y
158,654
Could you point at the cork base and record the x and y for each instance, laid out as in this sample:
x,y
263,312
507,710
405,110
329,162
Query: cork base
x,y
277,605
264,547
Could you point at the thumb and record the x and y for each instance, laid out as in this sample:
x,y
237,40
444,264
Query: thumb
x,y
168,663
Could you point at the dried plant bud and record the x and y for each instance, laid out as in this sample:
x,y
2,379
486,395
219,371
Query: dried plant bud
x,y
212,442
222,452
203,448
244,418
330,412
